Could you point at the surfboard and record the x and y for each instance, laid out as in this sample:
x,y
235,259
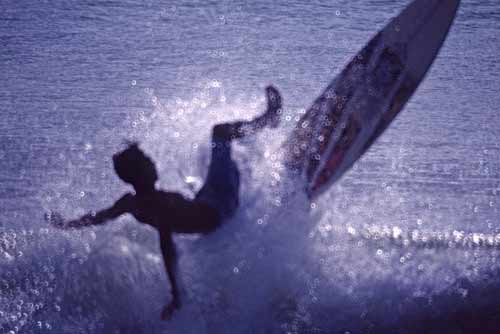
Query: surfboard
x,y
359,104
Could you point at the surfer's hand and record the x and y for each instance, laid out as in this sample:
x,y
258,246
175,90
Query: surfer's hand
x,y
169,309
55,219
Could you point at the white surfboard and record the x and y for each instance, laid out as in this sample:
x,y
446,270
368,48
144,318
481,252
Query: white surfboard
x,y
364,98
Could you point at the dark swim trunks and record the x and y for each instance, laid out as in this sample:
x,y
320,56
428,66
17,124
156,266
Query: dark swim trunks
x,y
221,187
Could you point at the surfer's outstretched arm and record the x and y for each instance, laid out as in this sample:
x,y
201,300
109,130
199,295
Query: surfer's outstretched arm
x,y
170,261
93,218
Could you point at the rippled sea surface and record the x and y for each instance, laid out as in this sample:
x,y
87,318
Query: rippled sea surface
x,y
407,242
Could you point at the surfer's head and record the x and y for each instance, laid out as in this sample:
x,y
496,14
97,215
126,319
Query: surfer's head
x,y
135,167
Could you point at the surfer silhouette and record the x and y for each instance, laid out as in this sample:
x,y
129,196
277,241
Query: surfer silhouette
x,y
170,212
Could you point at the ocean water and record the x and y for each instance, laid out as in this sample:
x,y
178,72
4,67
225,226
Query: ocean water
x,y
407,242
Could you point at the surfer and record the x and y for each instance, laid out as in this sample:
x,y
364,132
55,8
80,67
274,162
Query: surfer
x,y
170,212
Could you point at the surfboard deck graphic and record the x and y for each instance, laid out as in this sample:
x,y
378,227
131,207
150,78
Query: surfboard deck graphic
x,y
366,96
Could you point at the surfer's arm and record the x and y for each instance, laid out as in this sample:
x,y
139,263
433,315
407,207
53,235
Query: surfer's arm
x,y
121,206
170,260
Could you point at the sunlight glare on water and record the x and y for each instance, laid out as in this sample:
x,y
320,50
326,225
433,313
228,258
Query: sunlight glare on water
x,y
407,239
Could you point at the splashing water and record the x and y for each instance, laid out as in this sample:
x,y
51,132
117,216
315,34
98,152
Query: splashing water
x,y
279,266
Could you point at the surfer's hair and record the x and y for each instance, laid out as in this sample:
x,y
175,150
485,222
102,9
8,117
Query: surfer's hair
x,y
135,167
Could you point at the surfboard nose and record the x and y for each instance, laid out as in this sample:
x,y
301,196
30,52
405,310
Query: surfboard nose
x,y
359,108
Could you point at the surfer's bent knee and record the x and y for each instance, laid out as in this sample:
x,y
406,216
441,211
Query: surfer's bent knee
x,y
221,132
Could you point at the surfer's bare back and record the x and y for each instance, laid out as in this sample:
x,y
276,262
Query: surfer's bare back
x,y
170,212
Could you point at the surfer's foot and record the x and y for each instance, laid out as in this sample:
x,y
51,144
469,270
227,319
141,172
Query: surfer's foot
x,y
273,113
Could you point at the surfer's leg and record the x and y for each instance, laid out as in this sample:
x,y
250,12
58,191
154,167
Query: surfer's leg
x,y
270,118
221,188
